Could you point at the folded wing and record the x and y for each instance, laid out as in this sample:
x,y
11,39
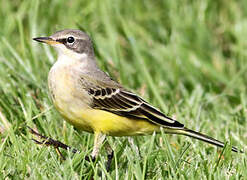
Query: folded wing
x,y
125,103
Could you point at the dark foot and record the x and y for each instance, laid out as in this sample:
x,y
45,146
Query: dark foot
x,y
87,158
51,142
109,160
57,144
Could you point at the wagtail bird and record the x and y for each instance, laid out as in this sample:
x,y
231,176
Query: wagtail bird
x,y
91,101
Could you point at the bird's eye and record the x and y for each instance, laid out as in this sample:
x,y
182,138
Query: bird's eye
x,y
70,40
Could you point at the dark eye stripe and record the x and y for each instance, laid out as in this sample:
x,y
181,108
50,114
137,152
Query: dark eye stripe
x,y
64,40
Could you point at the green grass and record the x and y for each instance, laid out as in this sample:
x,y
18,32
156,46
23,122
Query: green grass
x,y
186,57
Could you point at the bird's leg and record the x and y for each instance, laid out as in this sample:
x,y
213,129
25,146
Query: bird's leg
x,y
51,142
98,141
110,154
133,146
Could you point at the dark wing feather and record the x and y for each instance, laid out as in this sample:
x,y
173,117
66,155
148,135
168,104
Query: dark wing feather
x,y
125,103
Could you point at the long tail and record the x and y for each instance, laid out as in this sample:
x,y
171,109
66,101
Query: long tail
x,y
200,136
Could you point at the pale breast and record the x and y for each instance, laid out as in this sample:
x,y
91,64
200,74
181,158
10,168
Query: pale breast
x,y
68,98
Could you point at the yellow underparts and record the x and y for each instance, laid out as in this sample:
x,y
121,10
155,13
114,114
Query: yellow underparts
x,y
93,120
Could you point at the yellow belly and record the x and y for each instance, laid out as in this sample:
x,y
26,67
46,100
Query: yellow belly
x,y
93,120
115,125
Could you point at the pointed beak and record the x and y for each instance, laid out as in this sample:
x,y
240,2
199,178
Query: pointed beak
x,y
47,40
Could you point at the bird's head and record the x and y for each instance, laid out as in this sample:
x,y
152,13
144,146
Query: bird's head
x,y
72,43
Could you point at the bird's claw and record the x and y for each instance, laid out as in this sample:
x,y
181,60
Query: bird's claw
x,y
51,142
